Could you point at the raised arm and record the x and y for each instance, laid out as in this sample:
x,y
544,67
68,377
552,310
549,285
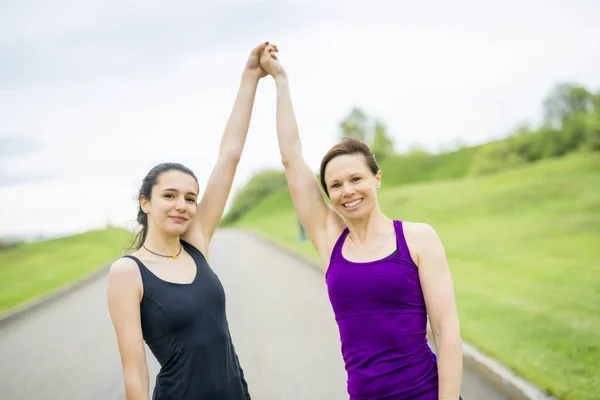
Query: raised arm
x,y
214,199
124,294
319,220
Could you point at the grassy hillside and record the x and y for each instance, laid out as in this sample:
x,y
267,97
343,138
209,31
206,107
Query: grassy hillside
x,y
523,246
422,167
31,270
416,166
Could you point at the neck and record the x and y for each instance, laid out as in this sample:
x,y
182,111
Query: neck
x,y
162,244
372,224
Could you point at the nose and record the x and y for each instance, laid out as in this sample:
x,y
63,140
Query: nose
x,y
348,190
180,204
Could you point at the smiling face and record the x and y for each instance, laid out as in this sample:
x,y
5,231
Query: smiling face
x,y
351,185
172,204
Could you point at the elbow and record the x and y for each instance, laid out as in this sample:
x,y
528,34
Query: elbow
x,y
449,346
289,163
446,332
231,156
448,339
291,156
451,338
286,162
136,385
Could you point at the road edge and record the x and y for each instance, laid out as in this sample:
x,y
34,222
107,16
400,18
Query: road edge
x,y
500,377
13,314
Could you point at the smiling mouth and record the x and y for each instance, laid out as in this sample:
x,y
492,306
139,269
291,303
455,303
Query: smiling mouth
x,y
178,219
352,203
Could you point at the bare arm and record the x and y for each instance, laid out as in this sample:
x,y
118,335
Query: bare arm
x,y
214,199
438,291
312,209
212,204
316,216
124,295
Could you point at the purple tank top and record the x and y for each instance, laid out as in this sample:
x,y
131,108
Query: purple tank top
x,y
381,316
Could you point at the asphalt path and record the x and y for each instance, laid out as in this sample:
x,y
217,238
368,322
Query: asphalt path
x,y
281,322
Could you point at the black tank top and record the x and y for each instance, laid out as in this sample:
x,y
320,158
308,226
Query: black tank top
x,y
185,326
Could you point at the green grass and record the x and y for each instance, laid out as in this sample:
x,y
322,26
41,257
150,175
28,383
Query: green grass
x,y
412,168
523,246
30,270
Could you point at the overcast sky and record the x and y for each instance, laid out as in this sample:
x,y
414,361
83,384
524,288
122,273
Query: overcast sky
x,y
94,93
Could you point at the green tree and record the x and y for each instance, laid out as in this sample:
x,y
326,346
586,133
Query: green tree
x,y
356,124
583,131
382,145
564,101
260,186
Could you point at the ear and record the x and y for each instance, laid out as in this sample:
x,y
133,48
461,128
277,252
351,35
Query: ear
x,y
378,178
145,204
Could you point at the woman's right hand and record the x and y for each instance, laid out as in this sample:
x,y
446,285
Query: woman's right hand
x,y
270,63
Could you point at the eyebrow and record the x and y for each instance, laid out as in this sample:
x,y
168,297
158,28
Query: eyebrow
x,y
175,190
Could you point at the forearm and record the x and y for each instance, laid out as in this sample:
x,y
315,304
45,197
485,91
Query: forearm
x,y
237,126
287,128
450,365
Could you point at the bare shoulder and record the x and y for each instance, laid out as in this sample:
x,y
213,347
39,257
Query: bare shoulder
x,y
124,295
421,238
419,230
124,268
124,274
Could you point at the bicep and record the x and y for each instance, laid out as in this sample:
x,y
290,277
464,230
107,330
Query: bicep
x,y
436,281
124,307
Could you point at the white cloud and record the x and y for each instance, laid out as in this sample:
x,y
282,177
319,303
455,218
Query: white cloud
x,y
433,72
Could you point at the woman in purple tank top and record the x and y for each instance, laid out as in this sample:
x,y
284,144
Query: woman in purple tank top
x,y
384,277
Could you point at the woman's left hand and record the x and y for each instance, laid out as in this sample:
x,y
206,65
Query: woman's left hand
x,y
253,67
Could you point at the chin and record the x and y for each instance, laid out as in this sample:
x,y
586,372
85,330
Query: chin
x,y
176,230
354,214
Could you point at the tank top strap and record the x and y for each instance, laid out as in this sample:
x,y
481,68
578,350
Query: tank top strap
x,y
194,252
146,275
337,248
403,250
140,265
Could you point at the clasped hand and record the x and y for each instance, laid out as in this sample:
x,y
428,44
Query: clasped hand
x,y
263,61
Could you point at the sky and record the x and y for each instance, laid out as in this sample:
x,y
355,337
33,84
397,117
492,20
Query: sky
x,y
95,93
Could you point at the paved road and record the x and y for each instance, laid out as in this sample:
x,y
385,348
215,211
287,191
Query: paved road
x,y
279,314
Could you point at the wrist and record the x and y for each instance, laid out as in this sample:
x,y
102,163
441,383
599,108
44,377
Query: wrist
x,y
281,79
249,77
